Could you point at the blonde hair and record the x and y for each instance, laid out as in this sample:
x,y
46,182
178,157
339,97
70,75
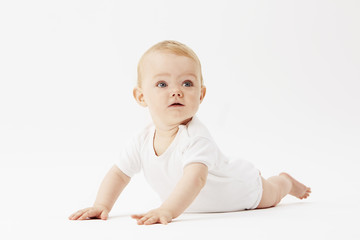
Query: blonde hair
x,y
173,47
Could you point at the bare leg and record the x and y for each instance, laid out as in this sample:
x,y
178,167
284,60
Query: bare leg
x,y
277,187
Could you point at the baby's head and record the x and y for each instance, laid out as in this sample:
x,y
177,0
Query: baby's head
x,y
170,83
169,46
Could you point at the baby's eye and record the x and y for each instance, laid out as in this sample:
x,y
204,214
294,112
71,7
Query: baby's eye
x,y
161,84
187,84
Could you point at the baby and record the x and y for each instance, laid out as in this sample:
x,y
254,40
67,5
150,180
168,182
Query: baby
x,y
177,154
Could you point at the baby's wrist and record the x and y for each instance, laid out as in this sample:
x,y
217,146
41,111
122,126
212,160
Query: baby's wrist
x,y
170,210
101,206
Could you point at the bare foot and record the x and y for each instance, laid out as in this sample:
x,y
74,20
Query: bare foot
x,y
298,189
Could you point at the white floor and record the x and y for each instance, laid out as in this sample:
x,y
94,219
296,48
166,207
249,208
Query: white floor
x,y
36,202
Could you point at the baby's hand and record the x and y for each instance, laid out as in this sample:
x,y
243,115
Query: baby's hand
x,y
89,213
157,215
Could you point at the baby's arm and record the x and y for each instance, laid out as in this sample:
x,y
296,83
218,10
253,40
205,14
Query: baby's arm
x,y
111,187
186,190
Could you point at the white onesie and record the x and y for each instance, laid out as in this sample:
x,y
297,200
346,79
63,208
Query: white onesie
x,y
232,184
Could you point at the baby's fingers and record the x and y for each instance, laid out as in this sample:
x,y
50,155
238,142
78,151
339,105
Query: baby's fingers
x,y
151,220
137,216
163,220
91,213
84,216
77,214
88,213
72,216
104,215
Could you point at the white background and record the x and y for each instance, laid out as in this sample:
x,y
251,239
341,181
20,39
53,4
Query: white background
x,y
283,81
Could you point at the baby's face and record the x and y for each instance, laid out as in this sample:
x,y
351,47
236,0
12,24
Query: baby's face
x,y
171,88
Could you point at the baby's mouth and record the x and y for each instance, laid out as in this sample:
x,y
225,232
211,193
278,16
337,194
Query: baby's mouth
x,y
176,105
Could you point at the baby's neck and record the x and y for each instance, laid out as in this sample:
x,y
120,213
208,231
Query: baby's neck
x,y
163,139
166,133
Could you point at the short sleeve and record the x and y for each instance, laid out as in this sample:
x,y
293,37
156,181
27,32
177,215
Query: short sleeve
x,y
129,161
201,150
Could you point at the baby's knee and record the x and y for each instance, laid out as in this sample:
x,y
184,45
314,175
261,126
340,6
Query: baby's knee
x,y
271,195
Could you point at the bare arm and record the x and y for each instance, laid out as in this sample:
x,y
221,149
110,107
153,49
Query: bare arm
x,y
113,184
187,189
185,192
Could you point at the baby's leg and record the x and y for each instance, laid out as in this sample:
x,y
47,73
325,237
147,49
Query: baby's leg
x,y
277,187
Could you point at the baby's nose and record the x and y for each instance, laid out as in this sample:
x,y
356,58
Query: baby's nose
x,y
176,93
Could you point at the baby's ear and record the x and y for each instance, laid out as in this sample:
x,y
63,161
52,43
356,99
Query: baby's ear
x,y
139,96
203,93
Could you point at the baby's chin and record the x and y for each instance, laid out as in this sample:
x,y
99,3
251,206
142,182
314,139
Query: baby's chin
x,y
172,122
186,121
